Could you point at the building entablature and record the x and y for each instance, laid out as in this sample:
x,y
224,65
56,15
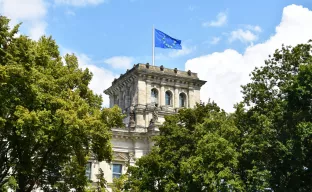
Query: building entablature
x,y
155,75
125,133
146,95
162,110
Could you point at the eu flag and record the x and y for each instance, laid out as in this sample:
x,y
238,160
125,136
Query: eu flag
x,y
163,40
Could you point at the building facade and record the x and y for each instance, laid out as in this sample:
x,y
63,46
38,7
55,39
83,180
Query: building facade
x,y
146,94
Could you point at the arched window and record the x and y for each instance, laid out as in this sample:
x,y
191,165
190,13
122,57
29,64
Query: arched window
x,y
182,100
168,98
154,96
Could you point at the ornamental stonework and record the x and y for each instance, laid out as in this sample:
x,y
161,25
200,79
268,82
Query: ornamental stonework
x,y
134,90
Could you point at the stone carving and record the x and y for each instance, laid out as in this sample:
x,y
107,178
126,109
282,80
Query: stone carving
x,y
189,72
161,67
132,117
155,113
131,156
131,108
118,156
155,116
175,70
114,81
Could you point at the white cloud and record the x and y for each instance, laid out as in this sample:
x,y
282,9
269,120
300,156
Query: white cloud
x,y
255,28
221,20
244,36
120,62
215,40
70,13
226,71
186,50
37,29
182,52
102,78
79,3
21,9
248,35
30,12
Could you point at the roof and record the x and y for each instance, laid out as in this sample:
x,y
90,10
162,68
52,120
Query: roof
x,y
156,71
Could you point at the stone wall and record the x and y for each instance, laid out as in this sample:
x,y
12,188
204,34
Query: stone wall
x,y
132,93
134,89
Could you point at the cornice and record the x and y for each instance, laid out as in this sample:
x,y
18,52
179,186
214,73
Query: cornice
x,y
127,134
134,135
162,110
155,74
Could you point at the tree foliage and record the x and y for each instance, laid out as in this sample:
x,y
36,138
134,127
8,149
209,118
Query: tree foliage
x,y
279,130
195,151
265,145
118,184
101,184
50,121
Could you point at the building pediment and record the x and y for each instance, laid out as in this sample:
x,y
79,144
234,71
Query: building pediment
x,y
119,156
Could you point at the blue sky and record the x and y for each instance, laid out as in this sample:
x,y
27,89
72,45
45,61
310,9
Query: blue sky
x,y
124,27
111,35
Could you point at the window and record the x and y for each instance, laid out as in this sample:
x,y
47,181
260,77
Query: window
x,y
88,170
154,96
117,170
182,99
168,98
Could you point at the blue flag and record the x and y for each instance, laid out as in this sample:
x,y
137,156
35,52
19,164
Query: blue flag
x,y
163,40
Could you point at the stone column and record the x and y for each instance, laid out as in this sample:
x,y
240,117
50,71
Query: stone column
x,y
111,101
126,98
121,100
176,97
191,101
141,92
139,148
148,91
140,121
148,100
162,95
196,95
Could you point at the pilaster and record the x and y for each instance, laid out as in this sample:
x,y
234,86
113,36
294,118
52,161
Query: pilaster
x,y
162,94
111,101
176,97
141,92
121,101
148,91
190,102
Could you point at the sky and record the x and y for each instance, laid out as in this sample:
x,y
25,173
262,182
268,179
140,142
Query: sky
x,y
222,41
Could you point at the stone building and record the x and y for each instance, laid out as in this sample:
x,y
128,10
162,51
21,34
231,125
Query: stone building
x,y
145,94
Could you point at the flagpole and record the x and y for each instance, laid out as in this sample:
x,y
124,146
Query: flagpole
x,y
153,40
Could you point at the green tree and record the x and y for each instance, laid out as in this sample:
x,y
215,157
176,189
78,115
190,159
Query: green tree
x,y
100,185
119,183
264,145
50,121
195,151
101,182
278,134
253,141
